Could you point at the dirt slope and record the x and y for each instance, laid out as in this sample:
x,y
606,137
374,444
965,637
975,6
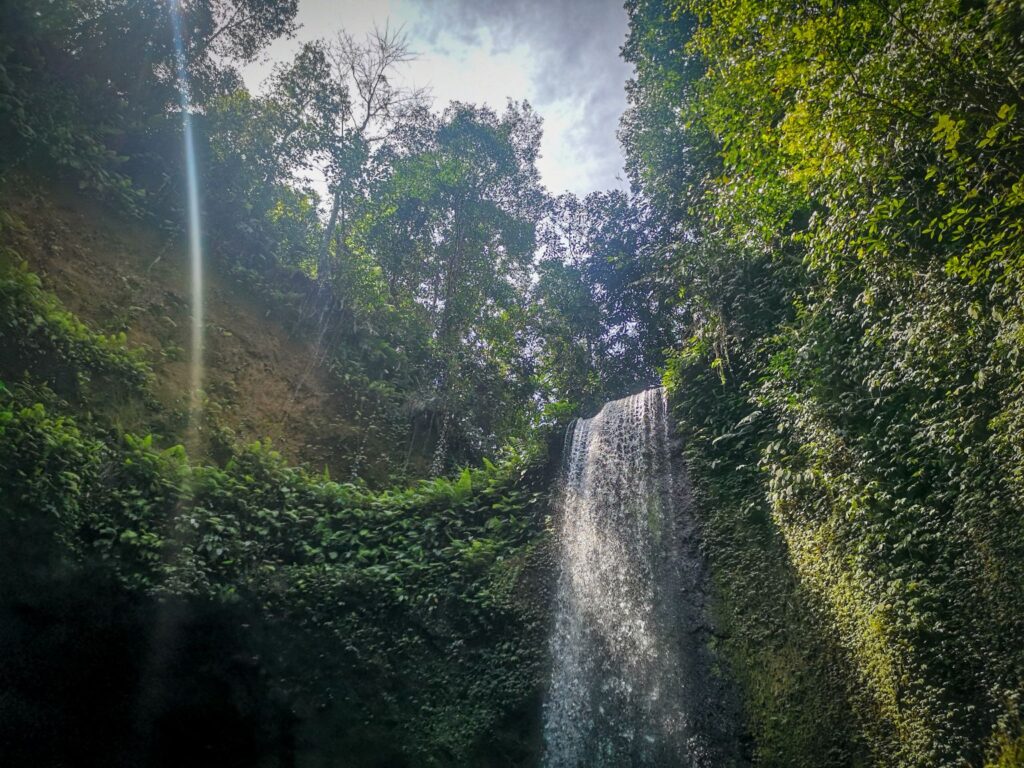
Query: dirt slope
x,y
262,380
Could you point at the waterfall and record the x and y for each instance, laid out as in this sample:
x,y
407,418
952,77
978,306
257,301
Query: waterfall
x,y
632,680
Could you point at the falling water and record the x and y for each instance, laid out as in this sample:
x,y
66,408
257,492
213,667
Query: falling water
x,y
195,236
632,681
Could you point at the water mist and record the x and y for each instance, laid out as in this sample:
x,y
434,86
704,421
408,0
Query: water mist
x,y
632,674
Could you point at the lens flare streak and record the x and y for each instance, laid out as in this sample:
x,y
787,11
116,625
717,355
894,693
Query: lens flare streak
x,y
195,238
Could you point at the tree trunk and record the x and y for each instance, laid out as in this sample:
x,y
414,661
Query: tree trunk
x,y
437,464
447,344
323,261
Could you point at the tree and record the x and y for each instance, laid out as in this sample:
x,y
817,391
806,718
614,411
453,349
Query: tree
x,y
451,229
261,147
91,86
375,106
606,298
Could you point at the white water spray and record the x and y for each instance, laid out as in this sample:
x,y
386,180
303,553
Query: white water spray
x,y
631,679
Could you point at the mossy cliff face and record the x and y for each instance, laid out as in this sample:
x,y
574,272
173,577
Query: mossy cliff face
x,y
856,634
775,641
838,188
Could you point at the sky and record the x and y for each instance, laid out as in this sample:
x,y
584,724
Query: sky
x,y
560,55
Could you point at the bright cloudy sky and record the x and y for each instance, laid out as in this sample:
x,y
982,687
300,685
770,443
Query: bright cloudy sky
x,y
560,55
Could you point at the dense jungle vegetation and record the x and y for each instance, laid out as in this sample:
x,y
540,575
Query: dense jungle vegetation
x,y
820,257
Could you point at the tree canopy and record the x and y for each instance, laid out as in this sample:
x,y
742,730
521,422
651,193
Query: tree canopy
x,y
820,256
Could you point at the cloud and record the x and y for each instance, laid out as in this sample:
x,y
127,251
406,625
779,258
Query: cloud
x,y
577,75
561,55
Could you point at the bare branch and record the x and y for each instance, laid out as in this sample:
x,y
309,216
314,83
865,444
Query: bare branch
x,y
365,67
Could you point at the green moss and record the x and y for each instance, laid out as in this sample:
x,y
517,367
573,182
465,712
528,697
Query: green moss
x,y
771,631
1007,752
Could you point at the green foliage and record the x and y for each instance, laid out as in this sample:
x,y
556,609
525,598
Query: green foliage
x,y
1008,753
40,334
445,244
604,299
415,592
772,633
842,206
412,280
88,87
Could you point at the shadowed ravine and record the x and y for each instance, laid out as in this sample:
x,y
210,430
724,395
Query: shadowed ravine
x,y
632,681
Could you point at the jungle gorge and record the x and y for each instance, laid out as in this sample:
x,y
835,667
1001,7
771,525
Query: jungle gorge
x,y
426,465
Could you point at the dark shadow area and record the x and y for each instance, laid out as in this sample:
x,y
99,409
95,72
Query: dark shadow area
x,y
84,683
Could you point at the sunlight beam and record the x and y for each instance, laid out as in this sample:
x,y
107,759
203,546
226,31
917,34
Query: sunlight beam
x,y
195,242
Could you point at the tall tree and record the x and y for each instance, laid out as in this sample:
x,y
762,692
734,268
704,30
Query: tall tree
x,y
606,298
363,70
452,230
91,86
